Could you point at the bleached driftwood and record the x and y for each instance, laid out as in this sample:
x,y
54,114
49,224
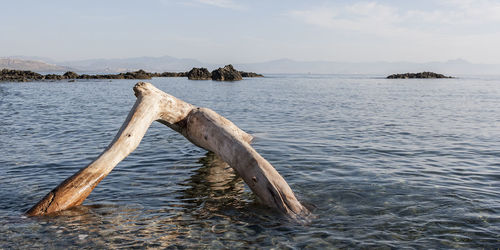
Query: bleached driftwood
x,y
203,127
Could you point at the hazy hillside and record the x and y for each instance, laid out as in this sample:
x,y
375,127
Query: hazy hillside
x,y
38,66
152,64
285,66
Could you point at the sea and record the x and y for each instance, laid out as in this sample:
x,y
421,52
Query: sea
x,y
380,163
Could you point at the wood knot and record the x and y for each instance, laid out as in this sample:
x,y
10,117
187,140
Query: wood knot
x,y
139,88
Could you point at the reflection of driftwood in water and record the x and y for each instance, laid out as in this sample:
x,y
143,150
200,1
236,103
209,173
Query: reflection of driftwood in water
x,y
215,182
216,175
201,126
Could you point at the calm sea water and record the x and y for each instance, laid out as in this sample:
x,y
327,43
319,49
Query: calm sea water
x,y
381,163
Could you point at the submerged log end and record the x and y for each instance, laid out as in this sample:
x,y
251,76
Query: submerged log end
x,y
71,192
56,201
291,205
273,190
42,206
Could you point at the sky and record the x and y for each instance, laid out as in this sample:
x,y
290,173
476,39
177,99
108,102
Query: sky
x,y
219,31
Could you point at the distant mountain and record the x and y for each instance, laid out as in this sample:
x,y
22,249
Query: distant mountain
x,y
35,58
151,64
38,66
284,66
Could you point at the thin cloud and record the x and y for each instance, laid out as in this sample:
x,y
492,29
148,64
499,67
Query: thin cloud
x,y
363,17
388,20
227,4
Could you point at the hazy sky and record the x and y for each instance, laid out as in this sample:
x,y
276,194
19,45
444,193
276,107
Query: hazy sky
x,y
219,31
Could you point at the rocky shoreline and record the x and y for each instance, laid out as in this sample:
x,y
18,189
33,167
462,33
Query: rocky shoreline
x,y
228,73
421,75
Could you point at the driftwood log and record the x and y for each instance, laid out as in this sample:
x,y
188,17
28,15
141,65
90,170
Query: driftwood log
x,y
201,126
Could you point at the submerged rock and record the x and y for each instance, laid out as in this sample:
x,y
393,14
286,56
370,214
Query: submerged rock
x,y
417,75
228,73
199,74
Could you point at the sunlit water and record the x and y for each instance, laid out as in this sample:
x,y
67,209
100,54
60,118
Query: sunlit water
x,y
381,163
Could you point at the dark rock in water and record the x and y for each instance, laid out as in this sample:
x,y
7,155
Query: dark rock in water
x,y
24,76
53,77
199,74
140,74
172,74
250,74
228,73
417,75
19,75
70,75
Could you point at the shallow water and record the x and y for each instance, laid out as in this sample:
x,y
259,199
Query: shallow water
x,y
382,163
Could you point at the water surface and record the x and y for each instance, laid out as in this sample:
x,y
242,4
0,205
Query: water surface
x,y
382,163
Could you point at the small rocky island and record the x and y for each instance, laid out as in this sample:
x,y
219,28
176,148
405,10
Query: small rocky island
x,y
417,75
199,74
228,73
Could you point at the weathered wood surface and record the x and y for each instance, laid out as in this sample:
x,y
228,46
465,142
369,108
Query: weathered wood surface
x,y
203,127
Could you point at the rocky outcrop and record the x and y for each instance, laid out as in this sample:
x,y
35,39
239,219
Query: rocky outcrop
x,y
199,74
70,75
12,75
171,74
140,74
27,76
250,74
53,77
417,75
228,73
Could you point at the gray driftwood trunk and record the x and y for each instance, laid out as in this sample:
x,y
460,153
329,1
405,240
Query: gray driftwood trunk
x,y
201,126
